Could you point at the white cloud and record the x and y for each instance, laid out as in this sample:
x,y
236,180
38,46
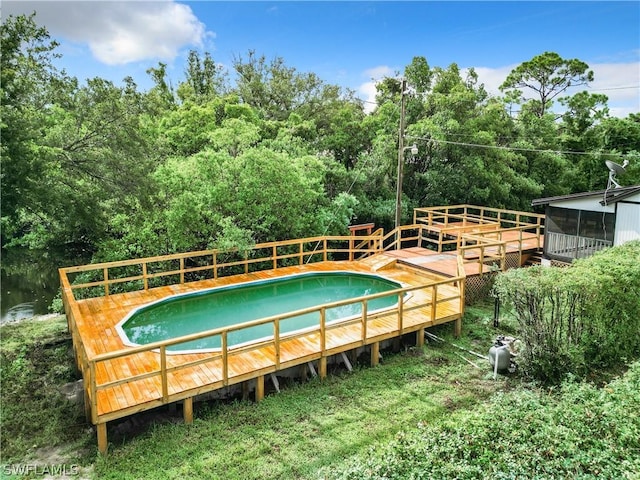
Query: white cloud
x,y
492,77
118,33
377,73
367,90
618,81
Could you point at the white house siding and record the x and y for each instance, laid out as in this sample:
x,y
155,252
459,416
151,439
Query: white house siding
x,y
627,222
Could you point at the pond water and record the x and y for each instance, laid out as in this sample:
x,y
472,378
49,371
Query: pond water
x,y
28,283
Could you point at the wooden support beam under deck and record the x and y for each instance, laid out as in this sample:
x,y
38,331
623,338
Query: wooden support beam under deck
x,y
322,367
187,410
375,353
101,429
259,388
245,390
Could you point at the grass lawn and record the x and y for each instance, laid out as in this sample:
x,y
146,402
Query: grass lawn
x,y
307,429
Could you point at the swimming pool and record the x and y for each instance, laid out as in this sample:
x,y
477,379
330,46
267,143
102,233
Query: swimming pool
x,y
234,305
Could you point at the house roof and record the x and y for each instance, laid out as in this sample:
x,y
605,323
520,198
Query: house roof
x,y
609,196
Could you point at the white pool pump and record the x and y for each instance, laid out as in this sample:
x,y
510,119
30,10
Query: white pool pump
x,y
501,355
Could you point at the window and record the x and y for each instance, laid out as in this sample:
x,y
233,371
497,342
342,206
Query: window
x,y
597,225
562,220
573,234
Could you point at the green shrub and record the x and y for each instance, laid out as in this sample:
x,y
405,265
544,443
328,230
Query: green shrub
x,y
572,320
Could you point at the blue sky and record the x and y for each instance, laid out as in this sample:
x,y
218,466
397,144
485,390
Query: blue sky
x,y
348,43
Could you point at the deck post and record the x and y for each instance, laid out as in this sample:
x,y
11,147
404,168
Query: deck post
x,y
245,391
322,367
87,404
106,281
145,278
187,410
434,303
303,372
101,429
259,388
375,353
420,338
457,327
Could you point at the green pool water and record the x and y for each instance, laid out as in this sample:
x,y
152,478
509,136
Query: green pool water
x,y
225,306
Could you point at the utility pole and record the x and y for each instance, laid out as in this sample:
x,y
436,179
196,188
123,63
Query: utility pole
x,y
403,87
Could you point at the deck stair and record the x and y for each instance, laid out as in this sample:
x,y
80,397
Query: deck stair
x,y
535,258
379,261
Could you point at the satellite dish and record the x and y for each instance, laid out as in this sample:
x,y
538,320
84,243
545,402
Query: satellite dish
x,y
615,169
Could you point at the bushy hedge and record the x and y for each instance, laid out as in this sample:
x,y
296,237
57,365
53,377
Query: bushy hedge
x,y
582,432
574,319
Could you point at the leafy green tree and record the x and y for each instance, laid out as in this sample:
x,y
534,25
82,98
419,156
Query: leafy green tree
x,y
296,136
584,112
276,90
346,136
187,129
461,140
28,82
161,96
235,135
72,154
203,79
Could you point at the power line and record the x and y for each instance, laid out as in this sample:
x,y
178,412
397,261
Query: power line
x,y
628,87
520,149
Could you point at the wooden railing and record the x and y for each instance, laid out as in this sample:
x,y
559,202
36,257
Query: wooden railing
x,y
139,274
480,248
451,224
483,251
569,247
476,214
90,364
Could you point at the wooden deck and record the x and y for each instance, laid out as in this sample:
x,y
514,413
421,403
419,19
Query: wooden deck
x,y
121,380
446,263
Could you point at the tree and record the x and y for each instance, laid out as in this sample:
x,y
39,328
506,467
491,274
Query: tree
x,y
548,75
28,83
161,96
71,155
578,133
204,79
346,137
276,90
